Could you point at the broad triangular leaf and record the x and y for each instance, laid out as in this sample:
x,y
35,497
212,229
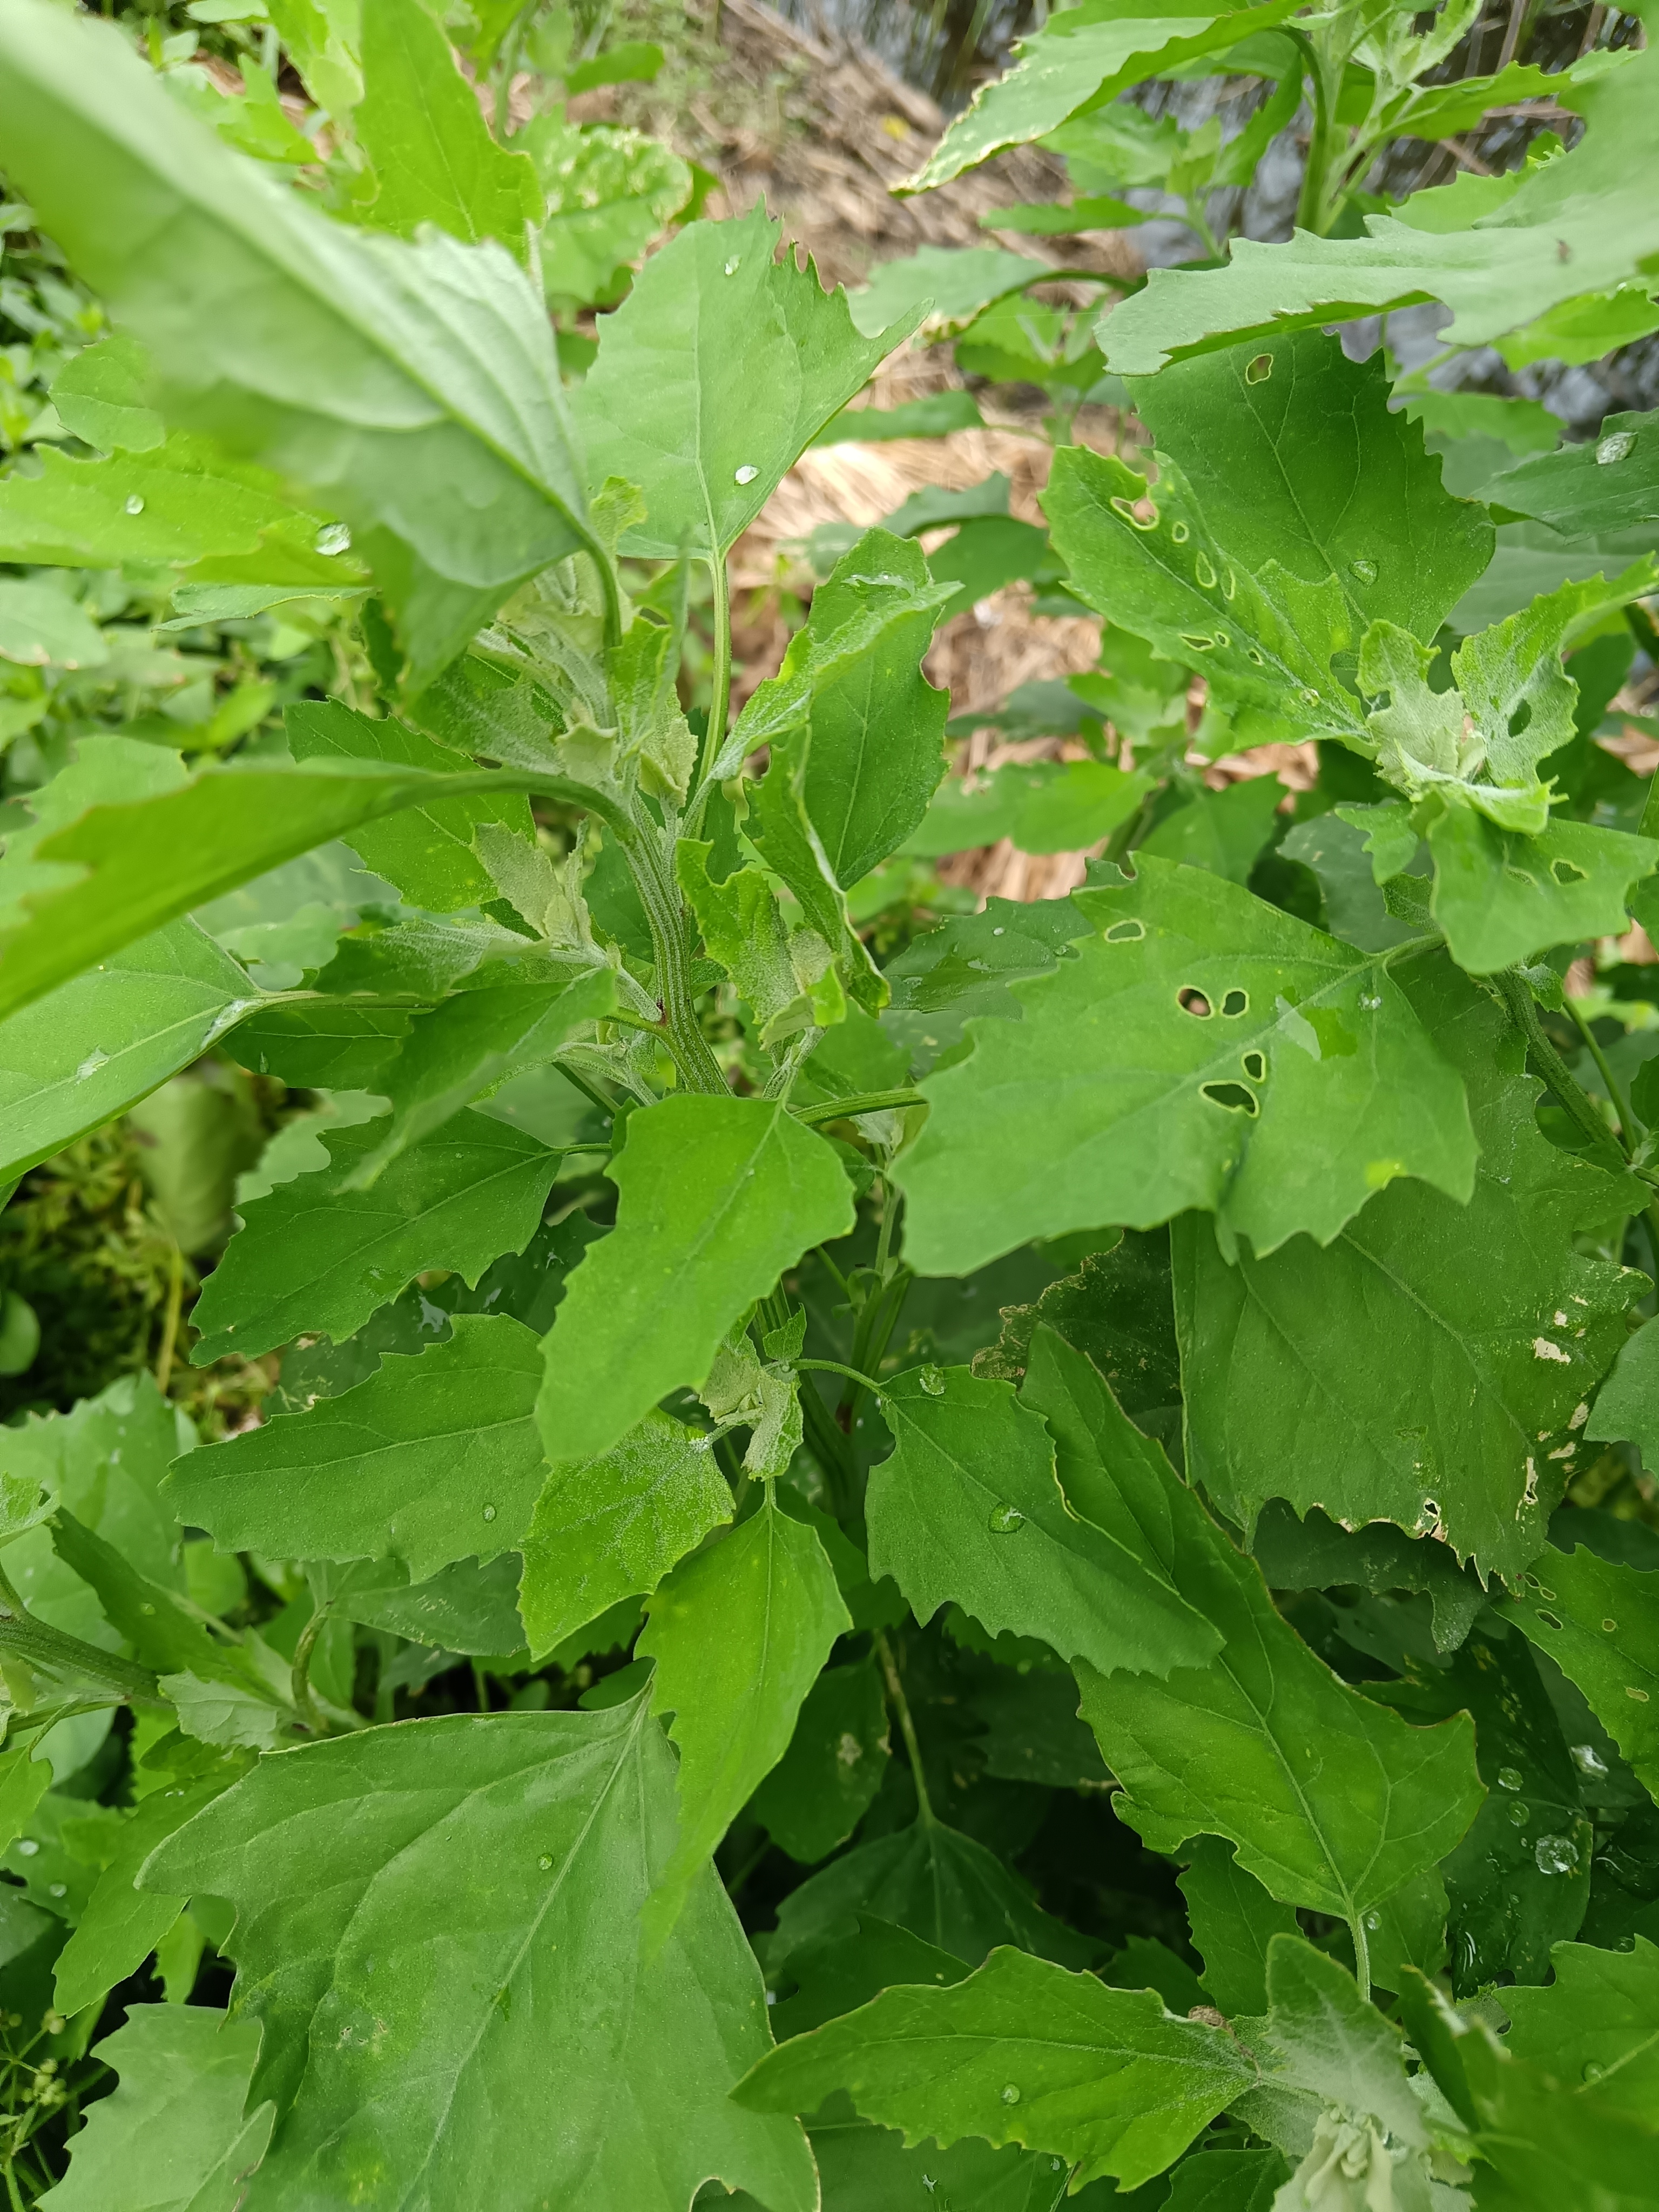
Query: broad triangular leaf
x,y
475,1944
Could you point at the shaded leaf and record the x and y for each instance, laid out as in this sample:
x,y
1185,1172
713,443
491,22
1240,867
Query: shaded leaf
x,y
1599,1621
1597,2022
1234,1919
429,1461
1039,806
822,1786
968,1507
315,1256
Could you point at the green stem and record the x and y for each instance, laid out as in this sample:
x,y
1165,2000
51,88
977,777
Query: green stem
x,y
1627,1130
1362,1953
719,703
1519,1001
300,1673
682,1031
834,1367
1310,213
900,1706
861,1102
26,1638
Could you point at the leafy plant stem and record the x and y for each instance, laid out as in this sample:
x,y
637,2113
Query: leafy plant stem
x,y
1627,1132
1311,213
1519,1001
682,1031
53,1647
900,1706
866,1102
721,693
836,1367
300,1673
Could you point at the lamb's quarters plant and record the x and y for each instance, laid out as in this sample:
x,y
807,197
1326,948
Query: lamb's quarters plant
x,y
897,1555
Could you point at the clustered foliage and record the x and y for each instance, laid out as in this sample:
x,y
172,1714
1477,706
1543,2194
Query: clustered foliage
x,y
897,1556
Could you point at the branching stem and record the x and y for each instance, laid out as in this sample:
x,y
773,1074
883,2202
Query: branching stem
x,y
901,1705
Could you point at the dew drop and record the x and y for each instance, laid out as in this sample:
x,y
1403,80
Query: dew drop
x,y
147,1609
1364,570
57,1889
1588,1760
1516,1809
1003,1519
932,1380
545,1863
1311,698
1614,448
90,1064
746,474
490,1513
1592,2071
333,538
1509,1778
1010,2094
27,1847
135,505
1373,1922
733,265
1204,570
1555,1855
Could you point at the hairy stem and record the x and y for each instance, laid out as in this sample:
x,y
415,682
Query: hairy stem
x,y
170,1321
1362,1953
1523,1012
720,704
1627,1131
682,1031
23,1637
862,1101
300,1673
1311,212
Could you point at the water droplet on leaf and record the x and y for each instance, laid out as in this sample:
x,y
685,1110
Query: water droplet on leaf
x,y
135,505
1555,1855
932,1380
1364,570
1010,2094
490,1513
1518,1812
333,538
1509,1778
1592,2071
1614,448
545,1863
1588,1760
746,474
1003,1519
733,265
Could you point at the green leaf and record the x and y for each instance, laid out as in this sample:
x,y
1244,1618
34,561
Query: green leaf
x,y
1581,222
1316,1552
739,1634
432,1460
173,2123
186,504
105,1460
1020,2052
1221,830
1234,1920
717,1197
1429,1364
609,192
783,834
122,869
611,1527
97,1045
317,1256
933,415
1610,483
1598,2022
497,1026
721,367
1599,1621
822,1786
1331,1801
123,1924
964,967
936,1883
1081,59
1039,806
476,1937
876,725
420,124
1292,454
1626,1408
1185,1057
426,851
101,396
1227,2181
863,2168
968,1507
941,286
419,389
1503,898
